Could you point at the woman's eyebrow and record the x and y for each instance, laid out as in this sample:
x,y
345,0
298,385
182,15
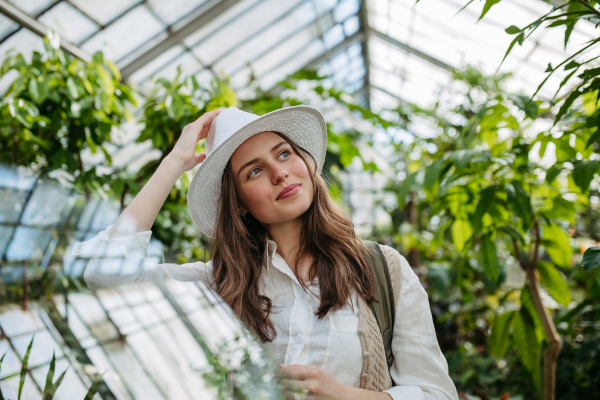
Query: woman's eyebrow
x,y
256,159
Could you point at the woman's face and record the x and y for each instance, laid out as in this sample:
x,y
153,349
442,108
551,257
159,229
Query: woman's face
x,y
265,167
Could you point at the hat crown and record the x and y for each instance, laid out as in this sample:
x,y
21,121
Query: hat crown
x,y
225,125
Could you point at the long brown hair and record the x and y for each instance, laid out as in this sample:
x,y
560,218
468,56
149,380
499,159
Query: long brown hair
x,y
327,235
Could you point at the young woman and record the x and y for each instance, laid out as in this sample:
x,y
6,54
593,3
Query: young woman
x,y
287,260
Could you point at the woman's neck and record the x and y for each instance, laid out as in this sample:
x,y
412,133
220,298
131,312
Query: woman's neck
x,y
287,236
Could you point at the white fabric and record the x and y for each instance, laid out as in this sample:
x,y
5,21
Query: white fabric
x,y
332,344
304,125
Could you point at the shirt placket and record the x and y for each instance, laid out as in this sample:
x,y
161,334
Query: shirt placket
x,y
300,321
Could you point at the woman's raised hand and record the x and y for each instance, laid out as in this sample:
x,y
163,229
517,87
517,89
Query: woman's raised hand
x,y
184,151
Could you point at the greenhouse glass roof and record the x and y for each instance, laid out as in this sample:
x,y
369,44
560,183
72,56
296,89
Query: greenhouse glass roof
x,y
384,51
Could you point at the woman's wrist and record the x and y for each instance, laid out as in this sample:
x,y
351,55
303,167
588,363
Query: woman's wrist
x,y
353,393
174,163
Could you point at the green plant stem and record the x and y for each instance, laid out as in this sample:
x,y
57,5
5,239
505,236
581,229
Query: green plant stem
x,y
589,7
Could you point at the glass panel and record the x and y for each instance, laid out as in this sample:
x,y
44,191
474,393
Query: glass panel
x,y
46,204
251,22
16,177
7,26
68,22
24,42
106,214
171,11
41,350
31,7
128,370
345,9
71,387
28,244
106,10
189,65
11,204
11,363
158,365
258,45
10,389
155,65
126,34
15,321
351,26
334,36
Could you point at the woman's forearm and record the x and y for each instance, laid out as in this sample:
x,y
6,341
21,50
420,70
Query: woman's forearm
x,y
354,393
140,214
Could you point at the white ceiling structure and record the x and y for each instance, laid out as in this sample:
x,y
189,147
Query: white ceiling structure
x,y
382,51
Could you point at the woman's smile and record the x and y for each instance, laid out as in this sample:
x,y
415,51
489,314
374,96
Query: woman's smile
x,y
289,191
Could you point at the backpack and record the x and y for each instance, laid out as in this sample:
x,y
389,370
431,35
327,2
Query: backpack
x,y
384,310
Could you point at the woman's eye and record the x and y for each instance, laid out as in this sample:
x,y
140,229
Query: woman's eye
x,y
251,174
287,154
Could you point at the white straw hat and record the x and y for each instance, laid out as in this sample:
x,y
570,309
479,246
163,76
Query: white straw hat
x,y
303,124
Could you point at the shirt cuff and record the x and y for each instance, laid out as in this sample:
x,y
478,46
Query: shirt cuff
x,y
405,393
131,246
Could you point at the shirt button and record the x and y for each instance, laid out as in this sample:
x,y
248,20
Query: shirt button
x,y
299,338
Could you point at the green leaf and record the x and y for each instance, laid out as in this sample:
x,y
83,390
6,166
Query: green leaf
x,y
554,282
461,233
583,173
563,209
461,158
513,232
512,44
24,364
488,258
512,30
499,340
94,388
572,64
49,378
549,69
488,4
485,201
553,172
520,203
405,189
528,347
559,249
566,105
526,104
591,258
433,174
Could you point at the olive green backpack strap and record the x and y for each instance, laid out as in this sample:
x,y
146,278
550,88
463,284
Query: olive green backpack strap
x,y
385,309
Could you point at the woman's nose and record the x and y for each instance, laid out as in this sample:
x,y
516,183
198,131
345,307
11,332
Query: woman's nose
x,y
279,174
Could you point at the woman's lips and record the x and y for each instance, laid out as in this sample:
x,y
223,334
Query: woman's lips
x,y
289,191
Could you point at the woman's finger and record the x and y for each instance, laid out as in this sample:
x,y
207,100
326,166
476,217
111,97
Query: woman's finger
x,y
293,385
204,119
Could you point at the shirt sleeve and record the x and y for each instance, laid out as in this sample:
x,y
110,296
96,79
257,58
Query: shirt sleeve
x,y
131,263
419,370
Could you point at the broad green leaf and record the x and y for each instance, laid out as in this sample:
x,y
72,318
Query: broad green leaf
x,y
461,158
512,30
526,104
461,233
405,189
583,173
571,65
488,258
512,44
554,282
528,346
488,4
513,232
566,105
432,174
560,250
499,339
553,172
520,203
591,258
485,202
563,209
24,364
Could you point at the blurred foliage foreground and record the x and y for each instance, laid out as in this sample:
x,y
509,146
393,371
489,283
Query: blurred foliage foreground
x,y
494,208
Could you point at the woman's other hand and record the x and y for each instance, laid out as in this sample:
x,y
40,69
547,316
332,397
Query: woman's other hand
x,y
184,152
312,383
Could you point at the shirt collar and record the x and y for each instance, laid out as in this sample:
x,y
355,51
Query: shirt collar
x,y
270,248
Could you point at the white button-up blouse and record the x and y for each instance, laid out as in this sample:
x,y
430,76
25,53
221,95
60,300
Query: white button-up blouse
x,y
420,370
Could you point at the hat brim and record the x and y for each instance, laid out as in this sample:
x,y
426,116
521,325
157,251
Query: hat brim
x,y
303,124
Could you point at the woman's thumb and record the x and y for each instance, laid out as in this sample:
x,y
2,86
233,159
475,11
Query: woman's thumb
x,y
200,157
